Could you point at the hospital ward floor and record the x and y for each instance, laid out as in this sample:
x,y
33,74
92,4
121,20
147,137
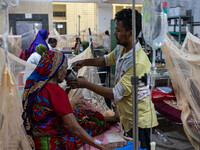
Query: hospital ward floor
x,y
174,134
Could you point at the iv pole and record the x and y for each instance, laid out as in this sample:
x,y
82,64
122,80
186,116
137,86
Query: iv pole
x,y
134,81
79,33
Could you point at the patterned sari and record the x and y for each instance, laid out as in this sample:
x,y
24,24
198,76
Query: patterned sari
x,y
45,129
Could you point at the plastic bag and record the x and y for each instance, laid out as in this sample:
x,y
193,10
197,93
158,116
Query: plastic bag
x,y
154,23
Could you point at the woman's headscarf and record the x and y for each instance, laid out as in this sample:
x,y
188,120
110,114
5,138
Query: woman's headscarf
x,y
45,70
41,49
40,38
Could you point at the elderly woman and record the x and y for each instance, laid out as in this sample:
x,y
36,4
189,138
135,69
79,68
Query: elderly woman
x,y
48,117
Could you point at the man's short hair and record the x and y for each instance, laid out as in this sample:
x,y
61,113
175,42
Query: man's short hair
x,y
107,32
125,15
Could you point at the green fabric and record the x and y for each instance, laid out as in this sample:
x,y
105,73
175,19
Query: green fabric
x,y
45,143
85,44
165,10
41,49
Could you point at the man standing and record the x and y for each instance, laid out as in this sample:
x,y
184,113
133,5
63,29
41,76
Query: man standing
x,y
106,41
122,91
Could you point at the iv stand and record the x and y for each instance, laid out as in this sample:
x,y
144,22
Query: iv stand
x,y
134,81
91,42
79,34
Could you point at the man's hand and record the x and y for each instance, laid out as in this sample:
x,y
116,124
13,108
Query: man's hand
x,y
115,109
143,91
78,65
79,82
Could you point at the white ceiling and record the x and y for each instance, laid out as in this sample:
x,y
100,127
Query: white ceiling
x,y
122,1
104,1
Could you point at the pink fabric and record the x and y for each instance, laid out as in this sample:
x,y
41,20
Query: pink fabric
x,y
103,137
167,111
22,55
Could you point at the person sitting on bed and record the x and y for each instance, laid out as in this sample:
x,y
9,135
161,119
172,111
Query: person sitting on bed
x,y
49,120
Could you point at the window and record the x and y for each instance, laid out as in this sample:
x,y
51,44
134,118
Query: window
x,y
58,14
60,27
118,7
68,12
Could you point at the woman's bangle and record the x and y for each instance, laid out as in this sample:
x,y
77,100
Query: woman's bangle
x,y
97,141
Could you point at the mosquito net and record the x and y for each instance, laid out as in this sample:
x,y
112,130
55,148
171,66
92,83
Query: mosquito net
x,y
183,65
79,96
64,41
67,41
14,44
12,133
11,130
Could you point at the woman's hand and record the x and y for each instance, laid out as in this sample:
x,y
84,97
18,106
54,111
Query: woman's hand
x,y
79,82
113,145
77,130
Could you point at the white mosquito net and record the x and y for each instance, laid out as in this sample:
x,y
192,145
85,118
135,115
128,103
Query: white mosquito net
x,y
12,135
67,41
183,66
64,41
79,96
14,44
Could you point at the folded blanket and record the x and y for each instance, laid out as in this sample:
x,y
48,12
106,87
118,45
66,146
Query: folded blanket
x,y
158,95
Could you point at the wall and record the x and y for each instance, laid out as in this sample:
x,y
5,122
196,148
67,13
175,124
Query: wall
x,y
189,5
100,1
104,16
34,7
87,14
1,22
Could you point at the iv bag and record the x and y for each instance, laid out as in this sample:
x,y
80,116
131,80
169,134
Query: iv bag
x,y
154,23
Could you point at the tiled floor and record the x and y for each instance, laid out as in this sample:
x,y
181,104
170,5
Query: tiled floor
x,y
174,133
